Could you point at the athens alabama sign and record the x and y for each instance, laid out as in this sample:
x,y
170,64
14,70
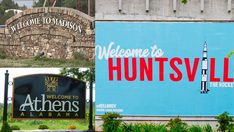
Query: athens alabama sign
x,y
48,96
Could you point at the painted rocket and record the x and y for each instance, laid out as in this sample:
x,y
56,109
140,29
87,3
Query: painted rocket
x,y
204,71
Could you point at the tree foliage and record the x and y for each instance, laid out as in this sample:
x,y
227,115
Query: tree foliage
x,y
8,4
184,1
59,3
70,3
39,3
231,54
6,127
78,73
224,121
5,16
111,122
177,125
3,54
5,5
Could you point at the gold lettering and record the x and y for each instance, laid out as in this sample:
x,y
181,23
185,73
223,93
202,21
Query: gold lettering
x,y
58,115
49,96
60,97
31,114
41,114
49,114
67,114
22,114
51,82
76,115
75,97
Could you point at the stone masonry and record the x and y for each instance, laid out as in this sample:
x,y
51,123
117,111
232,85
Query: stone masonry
x,y
51,32
3,40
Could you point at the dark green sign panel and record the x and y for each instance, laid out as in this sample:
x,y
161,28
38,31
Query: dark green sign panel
x,y
47,96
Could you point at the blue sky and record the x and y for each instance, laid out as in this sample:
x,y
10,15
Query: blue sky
x,y
28,3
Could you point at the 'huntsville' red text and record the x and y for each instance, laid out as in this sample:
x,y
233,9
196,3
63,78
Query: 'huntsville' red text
x,y
145,66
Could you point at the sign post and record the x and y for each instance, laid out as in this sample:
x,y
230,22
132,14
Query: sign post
x,y
91,101
5,96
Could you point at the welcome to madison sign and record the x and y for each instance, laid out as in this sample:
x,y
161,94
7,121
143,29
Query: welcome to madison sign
x,y
48,96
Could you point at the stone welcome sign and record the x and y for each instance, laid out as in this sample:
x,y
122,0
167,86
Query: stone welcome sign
x,y
76,27
48,96
53,32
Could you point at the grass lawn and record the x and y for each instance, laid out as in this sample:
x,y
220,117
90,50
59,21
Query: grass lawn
x,y
52,124
44,62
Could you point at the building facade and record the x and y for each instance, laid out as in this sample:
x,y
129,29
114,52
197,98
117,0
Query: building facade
x,y
164,10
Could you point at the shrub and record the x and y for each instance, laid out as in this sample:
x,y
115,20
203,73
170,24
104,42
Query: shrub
x,y
126,127
2,54
142,128
224,122
184,1
40,58
43,127
15,127
79,56
6,127
195,128
176,125
207,128
111,122
153,128
71,127
160,128
230,54
35,122
231,128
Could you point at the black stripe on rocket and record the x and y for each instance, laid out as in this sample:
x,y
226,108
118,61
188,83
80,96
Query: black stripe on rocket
x,y
204,71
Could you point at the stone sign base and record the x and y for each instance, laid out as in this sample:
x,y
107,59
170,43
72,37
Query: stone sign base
x,y
52,32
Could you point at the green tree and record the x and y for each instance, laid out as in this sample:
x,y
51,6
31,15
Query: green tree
x,y
177,125
39,3
1,10
9,4
83,75
184,1
5,5
6,127
224,121
111,122
5,16
83,6
70,4
230,54
59,3
64,3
